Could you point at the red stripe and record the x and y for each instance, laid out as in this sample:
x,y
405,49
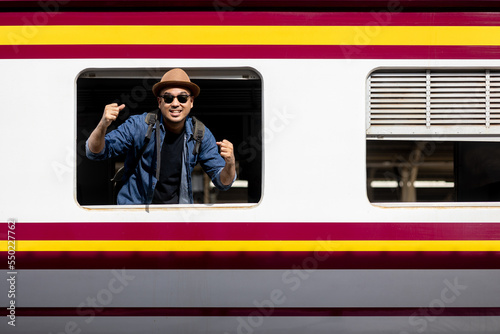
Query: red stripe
x,y
257,260
376,18
248,52
270,4
255,231
265,310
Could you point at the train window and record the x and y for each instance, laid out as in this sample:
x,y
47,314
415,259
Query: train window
x,y
229,105
433,136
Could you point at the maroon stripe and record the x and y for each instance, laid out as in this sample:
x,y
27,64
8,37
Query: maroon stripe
x,y
265,310
257,260
248,51
255,231
376,18
270,4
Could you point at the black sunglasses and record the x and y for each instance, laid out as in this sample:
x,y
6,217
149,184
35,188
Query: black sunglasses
x,y
170,98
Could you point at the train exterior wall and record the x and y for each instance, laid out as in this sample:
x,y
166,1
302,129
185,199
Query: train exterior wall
x,y
313,255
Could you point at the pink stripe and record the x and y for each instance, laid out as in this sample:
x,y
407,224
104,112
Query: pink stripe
x,y
255,231
244,312
288,4
252,18
247,52
257,260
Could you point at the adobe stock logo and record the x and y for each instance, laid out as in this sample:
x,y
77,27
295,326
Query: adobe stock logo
x,y
421,318
32,22
291,280
93,305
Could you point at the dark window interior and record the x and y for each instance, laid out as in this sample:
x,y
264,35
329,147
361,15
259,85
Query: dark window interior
x,y
230,108
477,171
433,171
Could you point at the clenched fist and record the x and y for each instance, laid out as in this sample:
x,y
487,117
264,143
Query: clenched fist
x,y
227,174
96,140
110,114
226,151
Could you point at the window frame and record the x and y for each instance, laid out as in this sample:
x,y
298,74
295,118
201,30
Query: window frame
x,y
153,76
436,136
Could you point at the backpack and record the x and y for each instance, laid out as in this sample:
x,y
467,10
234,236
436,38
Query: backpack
x,y
151,118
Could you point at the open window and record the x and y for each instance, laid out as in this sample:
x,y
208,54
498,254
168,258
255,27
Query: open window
x,y
230,105
433,135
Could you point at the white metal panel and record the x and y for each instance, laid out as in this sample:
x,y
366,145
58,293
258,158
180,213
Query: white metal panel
x,y
314,117
242,288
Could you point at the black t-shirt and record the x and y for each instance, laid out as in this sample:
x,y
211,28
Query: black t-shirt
x,y
167,187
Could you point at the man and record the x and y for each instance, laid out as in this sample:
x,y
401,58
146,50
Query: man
x,y
171,184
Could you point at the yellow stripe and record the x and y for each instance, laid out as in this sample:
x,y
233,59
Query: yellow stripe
x,y
263,35
239,245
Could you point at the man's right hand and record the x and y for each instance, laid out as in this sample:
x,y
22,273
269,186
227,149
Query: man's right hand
x,y
110,114
96,140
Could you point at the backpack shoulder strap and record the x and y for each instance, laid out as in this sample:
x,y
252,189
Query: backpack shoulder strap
x,y
150,121
120,175
198,134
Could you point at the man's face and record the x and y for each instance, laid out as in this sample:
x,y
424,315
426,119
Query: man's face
x,y
174,112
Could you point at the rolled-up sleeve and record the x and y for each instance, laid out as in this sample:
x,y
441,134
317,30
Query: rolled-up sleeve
x,y
217,182
94,156
117,141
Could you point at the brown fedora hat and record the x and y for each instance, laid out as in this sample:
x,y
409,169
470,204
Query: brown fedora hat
x,y
176,78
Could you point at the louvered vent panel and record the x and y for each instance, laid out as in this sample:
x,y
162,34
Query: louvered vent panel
x,y
398,98
495,98
434,102
457,98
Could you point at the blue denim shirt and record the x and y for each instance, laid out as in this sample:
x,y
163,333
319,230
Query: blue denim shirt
x,y
128,139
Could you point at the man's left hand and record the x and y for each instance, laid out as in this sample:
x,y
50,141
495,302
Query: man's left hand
x,y
226,151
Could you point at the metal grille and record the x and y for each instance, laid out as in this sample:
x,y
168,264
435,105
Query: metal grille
x,y
437,102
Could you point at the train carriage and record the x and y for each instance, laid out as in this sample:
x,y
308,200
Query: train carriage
x,y
366,136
